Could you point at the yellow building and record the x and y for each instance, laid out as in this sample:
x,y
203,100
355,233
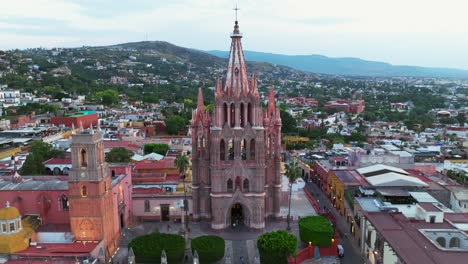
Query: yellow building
x,y
14,236
340,183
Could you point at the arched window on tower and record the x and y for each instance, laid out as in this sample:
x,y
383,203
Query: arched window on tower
x,y
242,115
441,241
83,158
244,149
233,115
252,149
229,185
225,113
249,114
64,202
84,191
454,242
222,150
231,149
245,186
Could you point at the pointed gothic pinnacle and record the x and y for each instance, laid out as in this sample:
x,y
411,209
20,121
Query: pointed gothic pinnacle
x,y
91,129
98,128
200,105
271,100
73,128
81,126
219,86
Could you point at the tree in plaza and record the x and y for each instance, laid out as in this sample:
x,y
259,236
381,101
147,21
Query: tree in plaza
x,y
148,248
159,148
108,97
38,153
316,229
210,249
292,172
175,123
181,162
119,154
275,247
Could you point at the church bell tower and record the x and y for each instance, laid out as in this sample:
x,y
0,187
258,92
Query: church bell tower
x,y
90,191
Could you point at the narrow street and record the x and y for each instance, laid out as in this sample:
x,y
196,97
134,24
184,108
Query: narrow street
x,y
351,250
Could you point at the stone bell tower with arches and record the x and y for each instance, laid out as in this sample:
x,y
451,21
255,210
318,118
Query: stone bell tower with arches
x,y
90,192
236,151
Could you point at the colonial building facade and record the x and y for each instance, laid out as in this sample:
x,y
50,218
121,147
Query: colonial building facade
x,y
236,151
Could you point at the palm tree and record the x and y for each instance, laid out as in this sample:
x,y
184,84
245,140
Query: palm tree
x,y
182,162
292,172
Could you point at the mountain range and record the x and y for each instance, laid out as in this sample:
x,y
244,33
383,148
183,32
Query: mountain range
x,y
346,66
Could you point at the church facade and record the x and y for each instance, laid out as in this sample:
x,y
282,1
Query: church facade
x,y
236,151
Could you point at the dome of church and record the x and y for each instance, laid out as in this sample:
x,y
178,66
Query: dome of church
x,y
9,213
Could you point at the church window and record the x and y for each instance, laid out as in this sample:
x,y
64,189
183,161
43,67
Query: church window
x,y
246,185
64,202
12,226
454,242
242,115
225,113
441,241
4,228
56,171
231,149
222,150
147,205
233,115
84,191
252,149
249,113
65,171
113,173
243,149
83,158
229,185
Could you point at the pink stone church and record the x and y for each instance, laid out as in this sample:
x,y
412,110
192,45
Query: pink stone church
x,y
236,151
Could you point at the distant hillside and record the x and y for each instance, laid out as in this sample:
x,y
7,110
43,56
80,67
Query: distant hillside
x,y
196,56
346,66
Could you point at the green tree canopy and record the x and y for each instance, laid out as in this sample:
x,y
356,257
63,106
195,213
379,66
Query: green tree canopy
x,y
316,229
210,249
108,97
175,123
38,153
288,123
148,248
159,148
119,154
275,247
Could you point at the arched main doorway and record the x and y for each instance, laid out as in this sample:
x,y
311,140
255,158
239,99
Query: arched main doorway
x,y
237,215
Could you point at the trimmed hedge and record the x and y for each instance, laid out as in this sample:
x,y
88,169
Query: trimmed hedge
x,y
148,248
316,229
275,247
210,249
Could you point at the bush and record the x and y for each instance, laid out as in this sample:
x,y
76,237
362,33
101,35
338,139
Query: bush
x,y
275,247
316,229
148,248
210,249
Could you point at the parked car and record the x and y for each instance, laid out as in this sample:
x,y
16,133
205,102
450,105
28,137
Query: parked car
x,y
340,250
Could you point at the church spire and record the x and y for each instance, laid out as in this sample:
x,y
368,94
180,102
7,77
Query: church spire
x,y
200,105
271,100
236,79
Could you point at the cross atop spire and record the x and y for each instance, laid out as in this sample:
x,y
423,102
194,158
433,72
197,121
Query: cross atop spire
x,y
236,9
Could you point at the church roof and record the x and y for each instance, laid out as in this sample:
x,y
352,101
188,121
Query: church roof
x,y
9,213
34,183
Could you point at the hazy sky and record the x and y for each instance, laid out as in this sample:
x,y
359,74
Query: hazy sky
x,y
409,32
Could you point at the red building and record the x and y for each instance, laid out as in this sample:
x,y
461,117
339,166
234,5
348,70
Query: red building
x,y
349,106
87,118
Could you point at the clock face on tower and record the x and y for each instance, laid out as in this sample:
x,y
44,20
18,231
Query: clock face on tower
x,y
83,174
